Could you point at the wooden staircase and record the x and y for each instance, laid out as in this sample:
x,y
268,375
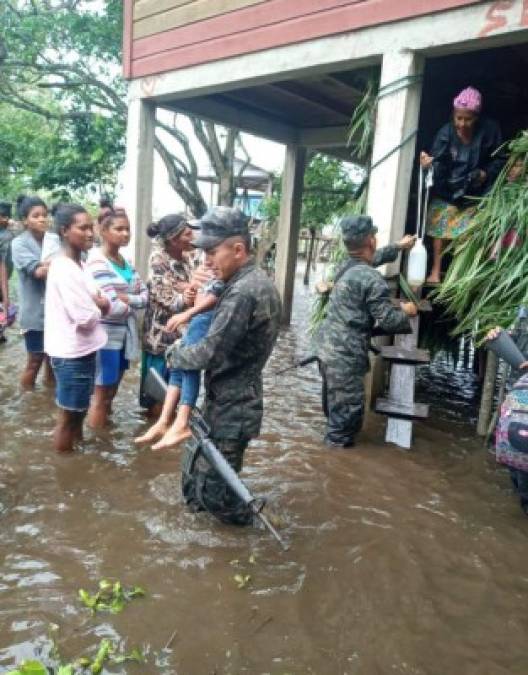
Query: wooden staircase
x,y
400,407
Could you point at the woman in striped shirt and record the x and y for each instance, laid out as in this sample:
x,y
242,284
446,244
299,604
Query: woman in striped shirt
x,y
120,282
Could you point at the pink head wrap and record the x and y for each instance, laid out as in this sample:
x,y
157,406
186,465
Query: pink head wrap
x,y
469,99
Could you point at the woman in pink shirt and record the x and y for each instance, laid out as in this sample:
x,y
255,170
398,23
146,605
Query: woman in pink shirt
x,y
72,329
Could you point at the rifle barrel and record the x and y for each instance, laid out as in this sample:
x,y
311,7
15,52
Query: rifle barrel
x,y
271,529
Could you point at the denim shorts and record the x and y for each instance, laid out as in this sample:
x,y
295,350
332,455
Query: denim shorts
x,y
34,340
110,364
74,382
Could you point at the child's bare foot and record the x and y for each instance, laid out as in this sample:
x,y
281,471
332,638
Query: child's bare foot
x,y
172,438
155,432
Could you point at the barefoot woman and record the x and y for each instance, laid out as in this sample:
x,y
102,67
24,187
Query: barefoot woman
x,y
464,166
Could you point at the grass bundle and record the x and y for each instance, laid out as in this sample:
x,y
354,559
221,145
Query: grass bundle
x,y
338,254
487,280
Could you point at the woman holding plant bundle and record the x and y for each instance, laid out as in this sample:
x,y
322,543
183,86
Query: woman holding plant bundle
x,y
465,166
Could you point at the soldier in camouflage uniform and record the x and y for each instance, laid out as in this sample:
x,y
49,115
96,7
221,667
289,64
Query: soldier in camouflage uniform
x,y
233,354
359,301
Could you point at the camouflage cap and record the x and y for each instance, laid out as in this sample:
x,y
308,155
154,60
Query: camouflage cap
x,y
353,227
220,223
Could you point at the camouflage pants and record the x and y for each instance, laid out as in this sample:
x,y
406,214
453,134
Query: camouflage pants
x,y
205,490
343,404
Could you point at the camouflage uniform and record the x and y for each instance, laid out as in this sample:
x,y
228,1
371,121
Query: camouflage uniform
x,y
233,354
359,300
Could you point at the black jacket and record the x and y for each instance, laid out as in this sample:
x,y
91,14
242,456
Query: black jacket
x,y
456,165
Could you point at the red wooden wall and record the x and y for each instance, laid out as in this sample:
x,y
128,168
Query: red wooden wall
x,y
171,39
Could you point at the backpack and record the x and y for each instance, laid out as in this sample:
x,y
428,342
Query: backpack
x,y
511,438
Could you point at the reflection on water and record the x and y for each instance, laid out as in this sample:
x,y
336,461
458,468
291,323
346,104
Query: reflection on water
x,y
400,562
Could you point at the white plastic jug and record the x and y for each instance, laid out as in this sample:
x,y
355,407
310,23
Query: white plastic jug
x,y
417,264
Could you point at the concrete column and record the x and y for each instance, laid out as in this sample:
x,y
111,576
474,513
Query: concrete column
x,y
289,224
138,179
397,118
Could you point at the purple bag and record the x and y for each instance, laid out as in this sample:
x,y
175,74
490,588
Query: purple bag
x,y
511,438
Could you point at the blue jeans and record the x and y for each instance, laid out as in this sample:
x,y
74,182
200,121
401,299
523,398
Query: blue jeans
x,y
74,382
188,381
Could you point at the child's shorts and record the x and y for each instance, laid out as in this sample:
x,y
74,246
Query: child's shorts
x,y
110,364
74,382
34,340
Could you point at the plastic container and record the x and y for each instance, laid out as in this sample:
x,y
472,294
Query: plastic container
x,y
506,349
417,265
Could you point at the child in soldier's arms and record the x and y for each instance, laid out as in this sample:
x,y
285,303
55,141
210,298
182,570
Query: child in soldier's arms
x,y
184,385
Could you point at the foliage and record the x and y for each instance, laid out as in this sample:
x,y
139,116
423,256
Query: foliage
x,y
26,141
30,668
363,122
110,597
327,189
61,65
71,50
106,653
338,254
486,282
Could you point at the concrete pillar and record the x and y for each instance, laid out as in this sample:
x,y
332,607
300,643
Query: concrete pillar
x,y
397,118
289,224
138,179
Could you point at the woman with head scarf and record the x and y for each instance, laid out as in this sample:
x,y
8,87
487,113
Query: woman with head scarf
x,y
465,166
170,291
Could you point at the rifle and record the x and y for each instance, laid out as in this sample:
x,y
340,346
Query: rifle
x,y
315,359
156,387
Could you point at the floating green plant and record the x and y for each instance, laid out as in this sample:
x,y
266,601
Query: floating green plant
x,y
111,596
107,653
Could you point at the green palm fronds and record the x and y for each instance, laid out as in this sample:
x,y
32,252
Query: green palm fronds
x,y
482,290
363,122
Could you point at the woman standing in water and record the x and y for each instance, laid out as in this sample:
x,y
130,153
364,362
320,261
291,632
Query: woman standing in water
x,y
464,166
72,331
118,279
170,291
32,272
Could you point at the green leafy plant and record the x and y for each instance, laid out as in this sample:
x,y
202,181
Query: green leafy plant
x,y
363,123
111,596
486,282
30,668
106,653
338,254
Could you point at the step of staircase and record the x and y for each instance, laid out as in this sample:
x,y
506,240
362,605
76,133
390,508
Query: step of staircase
x,y
414,357
418,411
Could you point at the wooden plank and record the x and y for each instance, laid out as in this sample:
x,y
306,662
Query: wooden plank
x,y
300,29
239,116
324,136
144,8
406,356
199,10
401,389
416,411
289,226
269,13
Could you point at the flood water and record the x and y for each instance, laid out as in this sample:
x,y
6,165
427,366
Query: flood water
x,y
400,562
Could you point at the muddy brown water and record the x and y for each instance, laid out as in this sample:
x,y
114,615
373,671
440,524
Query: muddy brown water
x,y
400,562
